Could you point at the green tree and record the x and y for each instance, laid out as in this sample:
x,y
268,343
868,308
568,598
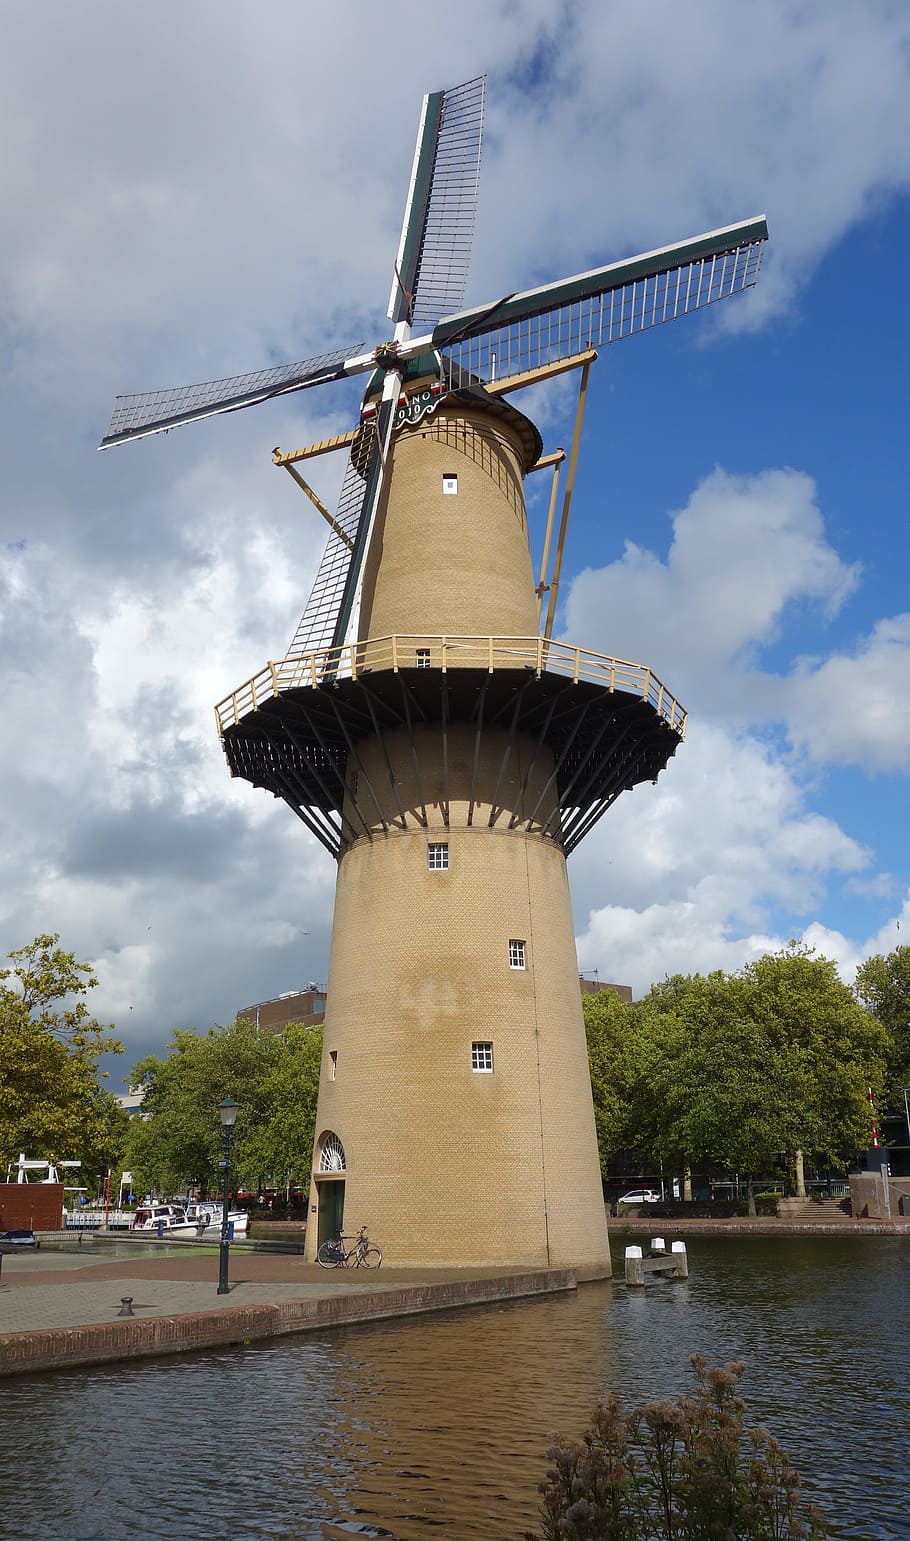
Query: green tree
x,y
682,1024
273,1078
282,1145
826,1052
883,985
609,1027
740,1071
51,1100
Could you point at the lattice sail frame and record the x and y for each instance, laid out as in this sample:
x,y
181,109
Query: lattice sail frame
x,y
316,629
136,416
590,311
437,233
480,346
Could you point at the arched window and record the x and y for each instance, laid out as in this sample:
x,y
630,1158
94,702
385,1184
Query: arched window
x,y
331,1156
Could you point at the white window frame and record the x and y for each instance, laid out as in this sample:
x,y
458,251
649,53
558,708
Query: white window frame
x,y
518,953
450,483
333,1064
331,1156
438,849
423,658
482,1057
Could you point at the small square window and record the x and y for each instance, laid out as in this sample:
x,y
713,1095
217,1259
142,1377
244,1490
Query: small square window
x,y
333,1064
517,955
450,483
482,1058
438,857
423,658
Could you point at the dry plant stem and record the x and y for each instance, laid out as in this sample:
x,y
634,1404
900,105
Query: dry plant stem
x,y
675,1471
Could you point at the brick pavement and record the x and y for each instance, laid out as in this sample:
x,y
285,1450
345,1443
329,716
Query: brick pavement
x,y
59,1309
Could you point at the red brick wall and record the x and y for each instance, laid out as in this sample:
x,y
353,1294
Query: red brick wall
x,y
31,1206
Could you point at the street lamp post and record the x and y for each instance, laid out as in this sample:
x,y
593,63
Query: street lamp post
x,y
227,1112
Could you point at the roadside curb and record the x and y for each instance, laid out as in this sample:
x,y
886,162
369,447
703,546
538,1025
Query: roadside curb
x,y
59,1348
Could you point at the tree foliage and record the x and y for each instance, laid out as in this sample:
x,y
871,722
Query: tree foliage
x,y
883,985
738,1070
51,1100
274,1079
611,1030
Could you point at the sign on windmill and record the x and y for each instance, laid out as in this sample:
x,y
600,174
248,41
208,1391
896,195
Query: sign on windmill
x,y
428,730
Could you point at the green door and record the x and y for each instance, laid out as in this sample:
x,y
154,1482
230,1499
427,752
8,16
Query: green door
x,y
331,1208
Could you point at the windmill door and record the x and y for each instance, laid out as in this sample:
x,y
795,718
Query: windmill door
x,y
331,1207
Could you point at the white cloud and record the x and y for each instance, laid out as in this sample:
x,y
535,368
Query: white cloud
x,y
746,556
851,708
849,954
744,548
188,197
685,876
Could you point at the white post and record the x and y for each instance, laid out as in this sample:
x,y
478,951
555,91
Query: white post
x,y
658,1244
678,1250
635,1273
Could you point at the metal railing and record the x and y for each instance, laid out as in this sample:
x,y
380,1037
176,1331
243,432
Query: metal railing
x,y
94,1219
413,651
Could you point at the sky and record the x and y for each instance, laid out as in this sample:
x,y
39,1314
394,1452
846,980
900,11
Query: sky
x,y
195,191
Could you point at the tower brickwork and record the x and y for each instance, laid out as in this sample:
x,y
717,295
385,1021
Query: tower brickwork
x,y
450,758
455,1072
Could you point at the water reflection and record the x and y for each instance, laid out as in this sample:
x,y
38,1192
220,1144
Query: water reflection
x,y
437,1425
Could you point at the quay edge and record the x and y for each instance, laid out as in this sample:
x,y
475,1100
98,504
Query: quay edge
x,y
61,1348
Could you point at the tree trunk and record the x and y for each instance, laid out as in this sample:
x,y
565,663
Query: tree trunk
x,y
750,1190
800,1176
687,1185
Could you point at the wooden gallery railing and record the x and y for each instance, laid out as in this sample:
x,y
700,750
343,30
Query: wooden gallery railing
x,y
411,651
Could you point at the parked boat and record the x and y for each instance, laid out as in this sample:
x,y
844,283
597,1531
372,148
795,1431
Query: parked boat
x,y
15,1240
164,1220
198,1221
206,1215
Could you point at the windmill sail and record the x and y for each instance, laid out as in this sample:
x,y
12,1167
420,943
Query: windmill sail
x,y
438,228
333,598
559,320
316,631
136,416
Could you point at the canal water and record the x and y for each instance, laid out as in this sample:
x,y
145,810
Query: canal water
x,y
436,1426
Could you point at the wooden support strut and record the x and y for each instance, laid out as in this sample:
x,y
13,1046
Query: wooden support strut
x,y
321,447
542,372
567,500
318,503
542,586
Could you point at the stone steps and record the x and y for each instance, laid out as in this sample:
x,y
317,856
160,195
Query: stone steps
x,y
813,1209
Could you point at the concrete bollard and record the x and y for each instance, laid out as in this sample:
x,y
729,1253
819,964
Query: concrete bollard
x,y
658,1244
635,1270
682,1262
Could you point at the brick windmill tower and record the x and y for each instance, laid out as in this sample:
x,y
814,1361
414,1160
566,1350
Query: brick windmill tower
x,y
429,731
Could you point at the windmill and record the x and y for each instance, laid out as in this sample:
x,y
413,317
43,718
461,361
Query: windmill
x,y
429,731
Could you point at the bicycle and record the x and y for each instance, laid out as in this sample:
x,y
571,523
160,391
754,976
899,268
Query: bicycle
x,y
334,1254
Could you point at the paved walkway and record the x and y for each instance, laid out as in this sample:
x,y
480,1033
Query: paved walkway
x,y
44,1289
59,1309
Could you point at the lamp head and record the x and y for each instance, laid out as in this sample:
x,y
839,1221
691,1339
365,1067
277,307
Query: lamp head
x,y
227,1112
